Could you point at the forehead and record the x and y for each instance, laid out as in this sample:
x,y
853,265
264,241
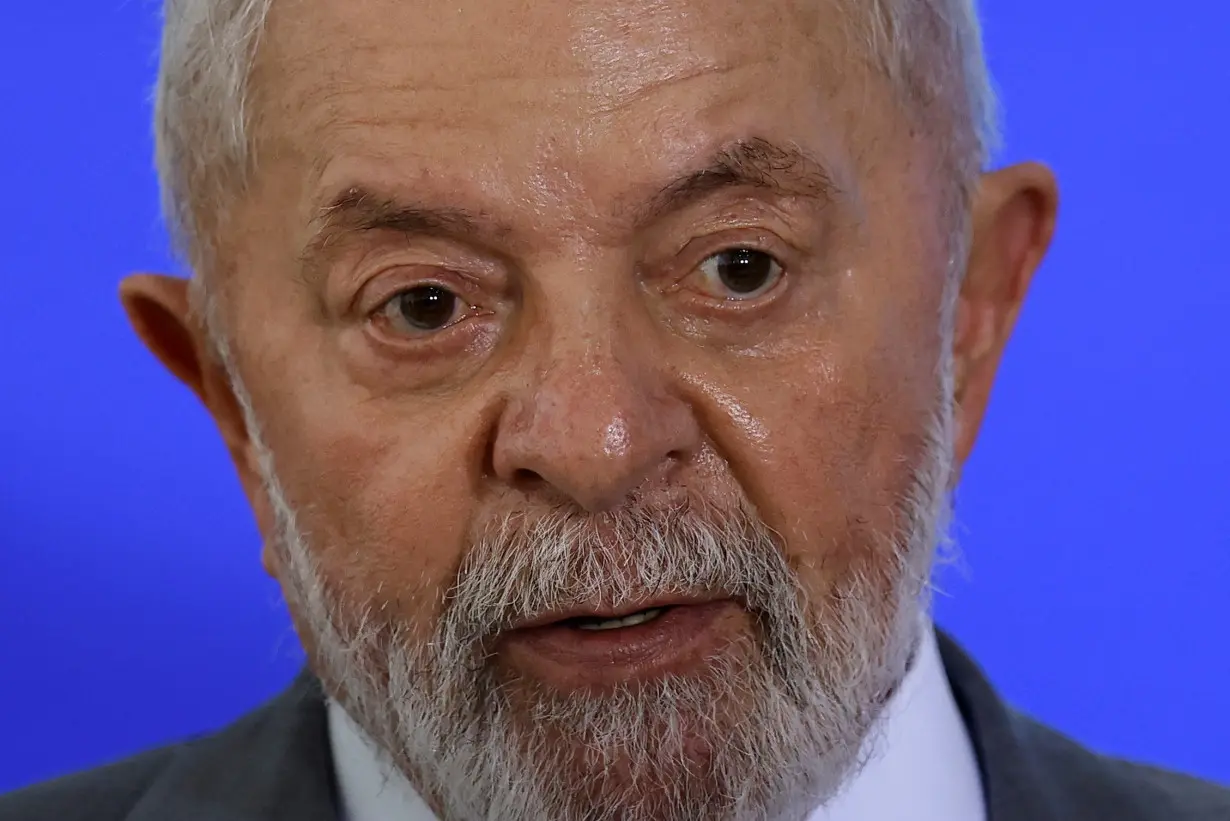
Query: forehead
x,y
606,50
549,102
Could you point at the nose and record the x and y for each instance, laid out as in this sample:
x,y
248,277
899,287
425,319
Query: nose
x,y
593,427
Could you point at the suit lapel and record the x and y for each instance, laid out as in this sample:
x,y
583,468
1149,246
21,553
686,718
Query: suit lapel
x,y
1015,782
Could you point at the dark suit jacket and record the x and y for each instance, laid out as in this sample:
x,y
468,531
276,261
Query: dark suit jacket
x,y
274,765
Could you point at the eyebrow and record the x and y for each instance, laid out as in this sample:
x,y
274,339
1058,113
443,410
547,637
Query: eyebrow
x,y
782,171
358,210
751,163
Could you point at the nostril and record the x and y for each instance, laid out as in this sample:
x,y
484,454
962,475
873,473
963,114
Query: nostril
x,y
527,479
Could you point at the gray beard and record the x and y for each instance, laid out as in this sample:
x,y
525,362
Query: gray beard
x,y
769,730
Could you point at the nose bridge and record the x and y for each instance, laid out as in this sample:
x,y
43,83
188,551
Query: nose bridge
x,y
597,418
598,391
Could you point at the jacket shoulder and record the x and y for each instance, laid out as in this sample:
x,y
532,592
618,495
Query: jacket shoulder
x,y
1110,787
1031,772
272,763
106,793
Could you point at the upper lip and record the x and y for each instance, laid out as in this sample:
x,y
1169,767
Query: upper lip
x,y
615,612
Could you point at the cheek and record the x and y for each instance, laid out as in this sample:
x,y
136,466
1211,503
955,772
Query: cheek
x,y
843,429
383,491
386,502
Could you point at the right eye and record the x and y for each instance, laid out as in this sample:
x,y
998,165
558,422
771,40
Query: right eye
x,y
423,309
739,274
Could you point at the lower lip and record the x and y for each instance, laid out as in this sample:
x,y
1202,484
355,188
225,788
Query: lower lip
x,y
683,638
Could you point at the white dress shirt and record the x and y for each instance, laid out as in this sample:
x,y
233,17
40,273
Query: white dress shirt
x,y
922,767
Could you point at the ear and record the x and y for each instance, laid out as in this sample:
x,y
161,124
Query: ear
x,y
160,311
1013,220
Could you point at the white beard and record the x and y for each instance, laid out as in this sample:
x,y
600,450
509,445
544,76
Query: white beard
x,y
779,729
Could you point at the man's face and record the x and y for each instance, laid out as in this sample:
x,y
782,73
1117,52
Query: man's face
x,y
556,313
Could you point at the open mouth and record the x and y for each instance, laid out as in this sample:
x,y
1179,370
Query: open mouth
x,y
602,645
598,618
599,623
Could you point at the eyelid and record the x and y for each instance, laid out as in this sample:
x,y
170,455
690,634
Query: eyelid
x,y
696,251
464,311
386,283
781,273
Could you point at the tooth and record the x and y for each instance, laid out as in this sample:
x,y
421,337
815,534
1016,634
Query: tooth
x,y
626,621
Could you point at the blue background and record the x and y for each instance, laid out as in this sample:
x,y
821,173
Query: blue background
x,y
1093,517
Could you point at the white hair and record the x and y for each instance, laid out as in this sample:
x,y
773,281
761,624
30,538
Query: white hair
x,y
931,51
760,737
814,702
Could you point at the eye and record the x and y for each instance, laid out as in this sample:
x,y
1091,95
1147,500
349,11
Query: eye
x,y
740,273
423,309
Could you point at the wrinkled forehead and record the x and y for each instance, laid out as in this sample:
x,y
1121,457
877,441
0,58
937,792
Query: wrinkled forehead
x,y
606,50
552,101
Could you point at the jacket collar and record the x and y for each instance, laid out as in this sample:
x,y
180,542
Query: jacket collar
x,y
274,764
1015,782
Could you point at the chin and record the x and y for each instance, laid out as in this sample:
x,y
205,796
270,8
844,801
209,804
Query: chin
x,y
713,743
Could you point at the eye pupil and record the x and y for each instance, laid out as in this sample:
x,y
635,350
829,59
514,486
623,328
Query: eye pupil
x,y
744,270
427,307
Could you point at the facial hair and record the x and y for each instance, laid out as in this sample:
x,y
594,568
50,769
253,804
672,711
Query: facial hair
x,y
768,730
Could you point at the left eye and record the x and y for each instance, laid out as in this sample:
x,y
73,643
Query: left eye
x,y
740,273
424,309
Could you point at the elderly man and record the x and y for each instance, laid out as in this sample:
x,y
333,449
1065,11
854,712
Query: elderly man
x,y
598,372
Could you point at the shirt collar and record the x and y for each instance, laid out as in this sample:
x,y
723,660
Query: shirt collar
x,y
921,766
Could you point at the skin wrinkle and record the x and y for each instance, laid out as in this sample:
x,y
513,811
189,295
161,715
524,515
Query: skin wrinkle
x,y
916,48
438,116
620,100
602,428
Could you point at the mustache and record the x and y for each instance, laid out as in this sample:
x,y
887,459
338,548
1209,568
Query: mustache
x,y
524,565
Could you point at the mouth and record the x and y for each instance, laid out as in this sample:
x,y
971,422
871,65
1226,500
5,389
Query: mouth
x,y
607,646
598,623
628,614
